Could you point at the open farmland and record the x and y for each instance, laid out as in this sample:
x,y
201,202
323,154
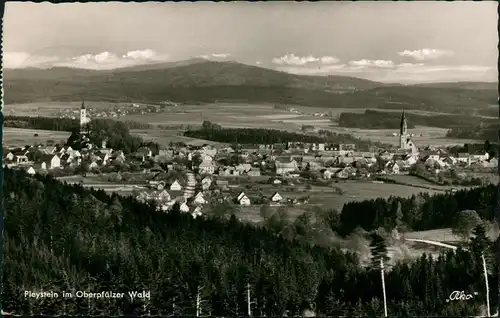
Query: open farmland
x,y
165,136
327,197
13,137
423,136
418,182
51,109
231,115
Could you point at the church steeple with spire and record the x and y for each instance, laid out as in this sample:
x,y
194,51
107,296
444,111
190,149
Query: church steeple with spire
x,y
403,127
83,119
405,142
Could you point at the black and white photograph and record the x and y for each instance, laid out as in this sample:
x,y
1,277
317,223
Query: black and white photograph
x,y
238,159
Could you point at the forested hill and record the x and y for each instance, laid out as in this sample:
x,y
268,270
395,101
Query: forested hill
x,y
210,82
65,238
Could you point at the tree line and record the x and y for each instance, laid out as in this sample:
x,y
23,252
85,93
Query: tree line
x,y
61,237
59,124
372,119
214,132
419,212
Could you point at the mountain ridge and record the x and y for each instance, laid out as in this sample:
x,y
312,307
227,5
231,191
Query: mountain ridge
x,y
204,81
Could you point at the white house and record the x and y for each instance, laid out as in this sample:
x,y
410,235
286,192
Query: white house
x,y
244,200
206,183
206,166
31,171
276,197
196,212
52,161
199,198
175,186
184,207
164,196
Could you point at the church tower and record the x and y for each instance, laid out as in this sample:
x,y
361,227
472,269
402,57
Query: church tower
x,y
83,119
403,132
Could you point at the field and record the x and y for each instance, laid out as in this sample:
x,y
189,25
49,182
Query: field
x,y
14,137
164,136
412,180
445,235
238,115
327,197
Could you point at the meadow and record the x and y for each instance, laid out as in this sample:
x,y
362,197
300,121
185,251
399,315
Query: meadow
x,y
326,197
238,115
16,137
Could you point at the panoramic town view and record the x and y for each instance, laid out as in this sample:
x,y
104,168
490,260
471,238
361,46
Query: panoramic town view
x,y
251,159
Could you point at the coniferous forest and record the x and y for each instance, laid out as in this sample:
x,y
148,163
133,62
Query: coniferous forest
x,y
63,238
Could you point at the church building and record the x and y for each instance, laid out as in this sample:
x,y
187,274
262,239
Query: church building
x,y
84,120
405,142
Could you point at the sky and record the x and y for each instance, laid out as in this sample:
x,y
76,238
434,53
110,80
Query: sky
x,y
405,42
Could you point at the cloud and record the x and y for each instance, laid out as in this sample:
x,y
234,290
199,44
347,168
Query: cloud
x,y
146,54
372,63
216,56
23,59
103,60
403,73
426,54
292,59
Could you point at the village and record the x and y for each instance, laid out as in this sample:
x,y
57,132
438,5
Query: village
x,y
207,173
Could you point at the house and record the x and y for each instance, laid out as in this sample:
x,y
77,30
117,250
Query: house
x,y
206,183
164,196
463,157
243,199
196,212
51,161
330,172
199,198
93,165
31,171
480,156
285,167
244,167
254,173
276,197
346,173
184,207
450,160
392,167
20,159
206,166
175,186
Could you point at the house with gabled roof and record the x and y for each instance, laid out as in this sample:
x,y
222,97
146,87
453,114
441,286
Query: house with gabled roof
x,y
31,171
52,161
176,186
196,212
206,166
199,198
184,207
243,199
276,197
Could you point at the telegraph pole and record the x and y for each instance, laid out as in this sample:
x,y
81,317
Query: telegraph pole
x,y
383,285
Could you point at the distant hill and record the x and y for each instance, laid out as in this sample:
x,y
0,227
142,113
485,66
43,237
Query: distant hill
x,y
463,85
202,81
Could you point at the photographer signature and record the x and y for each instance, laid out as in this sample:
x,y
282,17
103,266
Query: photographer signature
x,y
460,295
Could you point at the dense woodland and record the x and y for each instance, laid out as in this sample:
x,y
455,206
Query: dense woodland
x,y
214,132
43,123
372,119
65,238
418,212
